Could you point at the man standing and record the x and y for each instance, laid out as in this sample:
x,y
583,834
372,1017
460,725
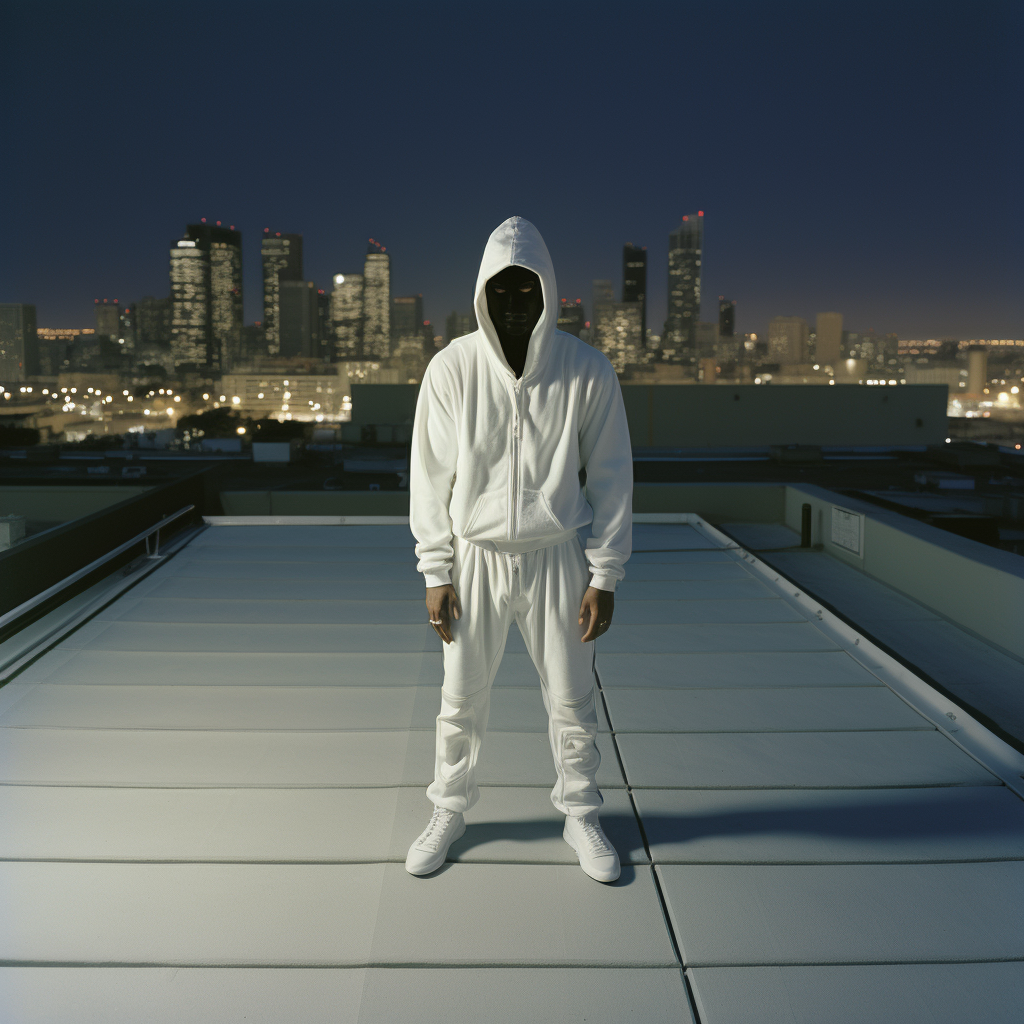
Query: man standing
x,y
520,440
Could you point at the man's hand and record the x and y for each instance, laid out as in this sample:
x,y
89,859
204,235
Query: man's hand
x,y
442,606
596,612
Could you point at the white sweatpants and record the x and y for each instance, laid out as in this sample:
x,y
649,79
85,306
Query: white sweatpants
x,y
542,590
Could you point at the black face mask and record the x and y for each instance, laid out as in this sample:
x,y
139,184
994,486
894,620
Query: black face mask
x,y
515,303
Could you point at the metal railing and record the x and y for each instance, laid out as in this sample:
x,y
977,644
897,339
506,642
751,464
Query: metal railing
x,y
27,606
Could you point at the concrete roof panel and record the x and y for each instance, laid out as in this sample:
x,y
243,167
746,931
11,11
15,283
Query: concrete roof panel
x,y
346,536
790,709
350,995
782,760
890,913
776,636
171,757
520,914
733,668
880,993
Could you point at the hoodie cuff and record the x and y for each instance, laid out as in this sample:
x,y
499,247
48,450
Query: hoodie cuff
x,y
437,579
600,582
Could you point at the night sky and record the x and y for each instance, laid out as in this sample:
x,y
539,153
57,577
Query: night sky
x,y
865,158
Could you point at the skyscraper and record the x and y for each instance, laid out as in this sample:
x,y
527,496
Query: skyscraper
x,y
615,330
108,317
298,319
406,316
324,327
685,246
19,342
282,261
190,302
127,330
457,325
787,340
634,280
706,335
571,317
225,294
206,296
152,321
407,334
726,317
829,331
602,293
224,246
377,302
347,316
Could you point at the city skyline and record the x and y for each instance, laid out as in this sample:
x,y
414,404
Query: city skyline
x,y
255,268
845,171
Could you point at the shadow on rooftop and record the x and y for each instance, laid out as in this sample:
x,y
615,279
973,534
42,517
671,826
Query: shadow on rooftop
x,y
957,816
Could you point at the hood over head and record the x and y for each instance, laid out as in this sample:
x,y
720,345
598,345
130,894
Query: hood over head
x,y
517,243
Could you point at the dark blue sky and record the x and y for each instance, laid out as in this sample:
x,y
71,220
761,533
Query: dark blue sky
x,y
859,157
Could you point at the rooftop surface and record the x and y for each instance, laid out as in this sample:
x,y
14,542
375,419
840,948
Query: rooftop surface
x,y
209,788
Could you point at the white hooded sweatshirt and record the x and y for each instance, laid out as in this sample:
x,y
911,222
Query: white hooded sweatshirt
x,y
496,461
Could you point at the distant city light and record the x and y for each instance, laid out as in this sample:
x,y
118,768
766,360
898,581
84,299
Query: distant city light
x,y
235,400
240,430
206,397
339,278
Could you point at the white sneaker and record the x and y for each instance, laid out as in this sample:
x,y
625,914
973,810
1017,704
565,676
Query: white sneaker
x,y
597,856
430,851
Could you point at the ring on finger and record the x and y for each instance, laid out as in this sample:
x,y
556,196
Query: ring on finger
x,y
434,622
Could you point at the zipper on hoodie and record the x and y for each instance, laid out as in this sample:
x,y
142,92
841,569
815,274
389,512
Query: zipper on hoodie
x,y
517,421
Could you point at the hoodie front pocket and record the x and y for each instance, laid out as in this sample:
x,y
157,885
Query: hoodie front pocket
x,y
535,516
487,517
